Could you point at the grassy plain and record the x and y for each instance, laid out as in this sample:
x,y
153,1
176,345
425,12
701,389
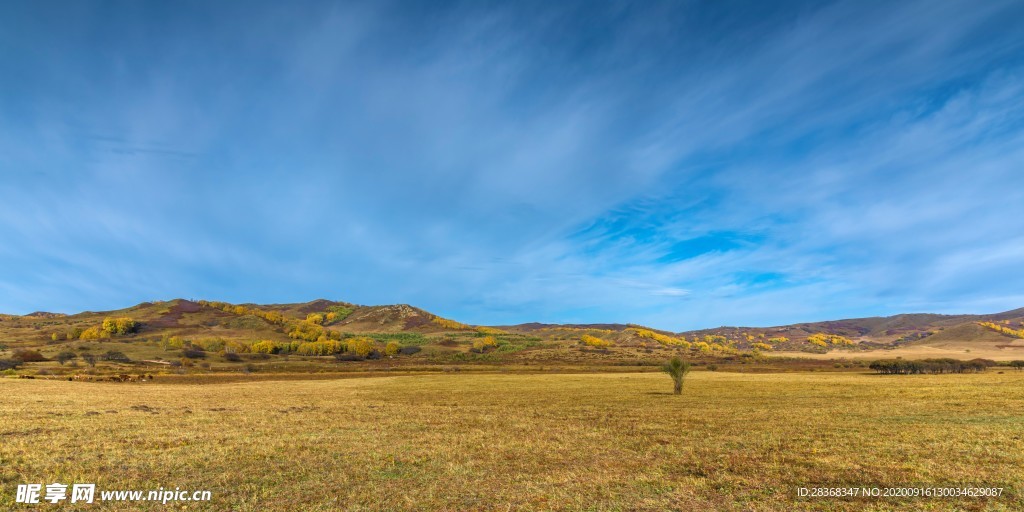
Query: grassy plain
x,y
522,442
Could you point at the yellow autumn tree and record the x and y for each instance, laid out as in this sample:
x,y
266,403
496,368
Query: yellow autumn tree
x,y
485,343
362,346
265,347
120,325
93,333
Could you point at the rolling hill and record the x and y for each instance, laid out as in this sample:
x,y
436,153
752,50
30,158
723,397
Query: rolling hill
x,y
183,332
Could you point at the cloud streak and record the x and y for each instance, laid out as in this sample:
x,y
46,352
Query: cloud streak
x,y
681,165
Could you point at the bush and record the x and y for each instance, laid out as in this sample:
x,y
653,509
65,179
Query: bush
x,y
408,351
1017,364
28,356
93,333
320,348
362,346
210,344
9,364
823,340
677,369
306,331
392,348
484,344
117,357
232,357
122,325
193,353
65,356
348,356
338,313
594,341
265,347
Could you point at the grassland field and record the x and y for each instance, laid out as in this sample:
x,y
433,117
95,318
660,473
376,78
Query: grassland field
x,y
463,441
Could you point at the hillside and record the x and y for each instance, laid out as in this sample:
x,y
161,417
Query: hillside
x,y
213,336
884,332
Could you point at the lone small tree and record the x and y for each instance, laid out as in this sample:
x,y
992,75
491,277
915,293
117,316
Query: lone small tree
x,y
65,356
677,369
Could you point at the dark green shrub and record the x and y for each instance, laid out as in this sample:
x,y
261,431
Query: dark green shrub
x,y
28,356
116,357
65,356
193,353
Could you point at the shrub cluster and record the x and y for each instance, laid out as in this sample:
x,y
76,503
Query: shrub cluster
x,y
9,364
117,357
338,313
272,317
320,348
823,340
1003,329
450,324
65,356
28,356
490,330
193,352
656,336
361,346
483,344
945,365
594,341
121,325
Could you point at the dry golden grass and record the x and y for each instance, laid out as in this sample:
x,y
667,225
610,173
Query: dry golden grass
x,y
523,442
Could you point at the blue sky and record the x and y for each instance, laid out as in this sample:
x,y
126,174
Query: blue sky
x,y
677,164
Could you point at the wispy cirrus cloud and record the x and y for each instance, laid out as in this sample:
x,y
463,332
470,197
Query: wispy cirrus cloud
x,y
682,165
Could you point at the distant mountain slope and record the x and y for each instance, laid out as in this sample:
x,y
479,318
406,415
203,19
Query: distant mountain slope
x,y
308,321
890,329
536,326
188,318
